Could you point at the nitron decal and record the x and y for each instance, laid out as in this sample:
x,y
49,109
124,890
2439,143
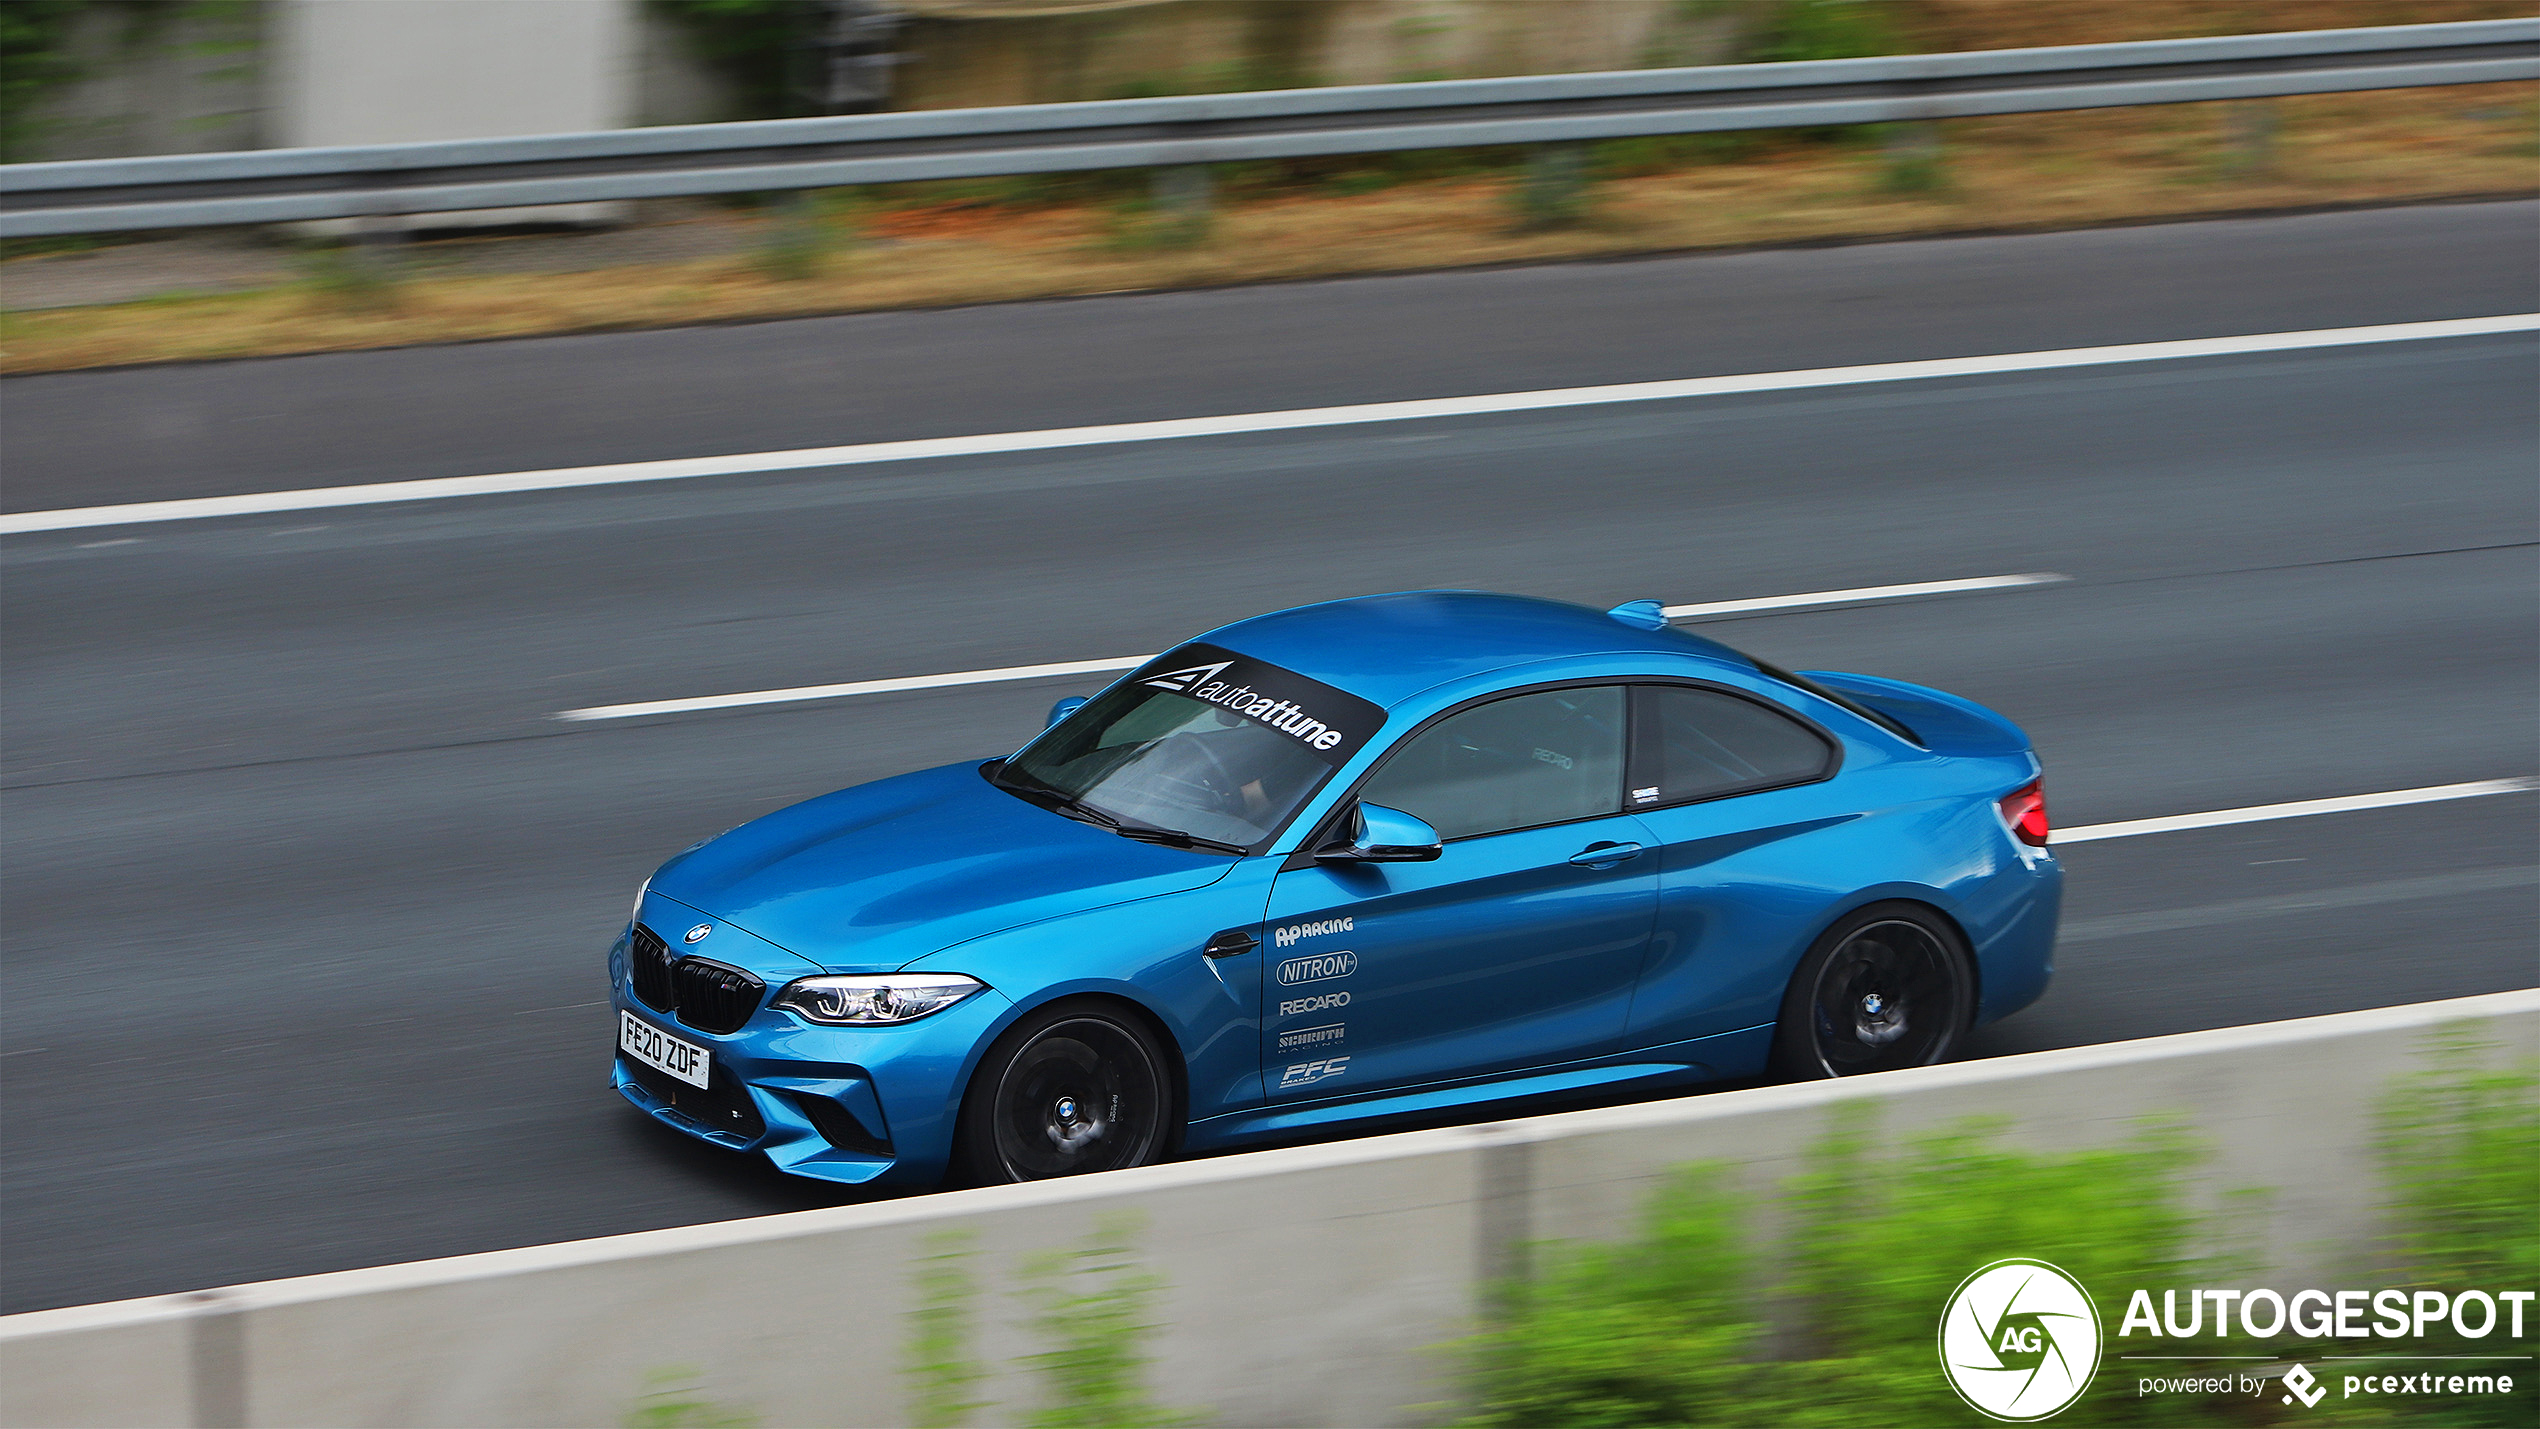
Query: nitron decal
x,y
1319,967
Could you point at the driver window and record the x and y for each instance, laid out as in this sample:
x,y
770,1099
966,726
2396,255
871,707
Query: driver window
x,y
1528,760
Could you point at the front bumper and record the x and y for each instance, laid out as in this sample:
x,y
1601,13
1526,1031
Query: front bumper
x,y
854,1105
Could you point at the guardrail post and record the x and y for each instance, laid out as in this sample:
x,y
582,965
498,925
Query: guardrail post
x,y
1183,195
800,237
1554,192
2249,130
1912,151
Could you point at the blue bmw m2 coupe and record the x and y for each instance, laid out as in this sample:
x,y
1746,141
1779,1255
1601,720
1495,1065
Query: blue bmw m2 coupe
x,y
1337,865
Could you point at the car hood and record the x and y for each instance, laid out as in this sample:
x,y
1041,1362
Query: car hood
x,y
872,878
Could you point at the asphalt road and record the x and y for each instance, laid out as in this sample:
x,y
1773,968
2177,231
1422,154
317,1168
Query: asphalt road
x,y
307,892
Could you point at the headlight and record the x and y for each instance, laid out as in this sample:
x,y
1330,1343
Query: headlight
x,y
873,1001
638,910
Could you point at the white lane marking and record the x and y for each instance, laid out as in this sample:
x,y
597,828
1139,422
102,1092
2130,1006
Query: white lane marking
x,y
1131,662
2316,900
437,488
1863,593
2260,813
857,687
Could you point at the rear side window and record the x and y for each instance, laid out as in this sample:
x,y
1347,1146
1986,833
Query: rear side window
x,y
1697,744
1517,763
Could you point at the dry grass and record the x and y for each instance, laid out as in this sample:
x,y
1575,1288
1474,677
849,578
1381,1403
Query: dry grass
x,y
2020,172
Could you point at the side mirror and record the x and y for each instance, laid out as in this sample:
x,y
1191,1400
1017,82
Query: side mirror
x,y
1384,836
1063,709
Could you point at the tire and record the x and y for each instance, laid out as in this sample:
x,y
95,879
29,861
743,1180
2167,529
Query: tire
x,y
1888,986
1074,1088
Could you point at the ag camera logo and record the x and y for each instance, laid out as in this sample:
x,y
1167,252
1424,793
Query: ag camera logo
x,y
2019,1340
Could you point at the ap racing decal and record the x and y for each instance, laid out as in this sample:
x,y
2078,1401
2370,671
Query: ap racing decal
x,y
1332,724
1293,931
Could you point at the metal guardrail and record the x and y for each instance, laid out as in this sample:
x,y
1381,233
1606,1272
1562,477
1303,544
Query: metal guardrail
x,y
281,185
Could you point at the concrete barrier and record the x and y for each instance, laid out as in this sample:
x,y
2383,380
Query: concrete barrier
x,y
1307,1285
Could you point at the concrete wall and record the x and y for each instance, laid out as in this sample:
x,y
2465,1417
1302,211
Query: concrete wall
x,y
154,80
1306,1284
394,71
1193,46
179,79
170,79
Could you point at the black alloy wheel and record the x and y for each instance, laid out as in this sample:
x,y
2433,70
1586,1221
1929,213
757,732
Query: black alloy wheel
x,y
1068,1091
1888,986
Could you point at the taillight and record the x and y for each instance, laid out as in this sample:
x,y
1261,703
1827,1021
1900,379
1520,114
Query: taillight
x,y
2024,809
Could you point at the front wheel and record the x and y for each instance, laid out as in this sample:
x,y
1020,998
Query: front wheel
x,y
1071,1089
1887,986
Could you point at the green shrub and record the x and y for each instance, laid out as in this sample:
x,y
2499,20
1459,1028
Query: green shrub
x,y
670,1402
1676,1327
2460,1153
940,1371
1681,1326
1092,1306
35,60
1825,30
2460,1144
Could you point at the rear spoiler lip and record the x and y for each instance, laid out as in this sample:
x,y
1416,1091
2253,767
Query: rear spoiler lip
x,y
1868,688
1835,694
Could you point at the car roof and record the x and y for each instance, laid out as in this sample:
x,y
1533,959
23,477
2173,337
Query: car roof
x,y
1387,648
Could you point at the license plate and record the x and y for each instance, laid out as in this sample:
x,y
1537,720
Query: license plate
x,y
653,1047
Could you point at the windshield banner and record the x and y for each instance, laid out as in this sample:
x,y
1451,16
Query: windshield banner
x,y
1332,724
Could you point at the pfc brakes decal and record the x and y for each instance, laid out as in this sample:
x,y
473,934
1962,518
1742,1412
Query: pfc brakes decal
x,y
1306,1074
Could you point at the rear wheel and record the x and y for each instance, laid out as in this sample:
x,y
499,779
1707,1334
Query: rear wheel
x,y
1073,1088
1888,986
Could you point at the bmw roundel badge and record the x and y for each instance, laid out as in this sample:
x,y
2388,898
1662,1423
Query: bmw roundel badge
x,y
698,933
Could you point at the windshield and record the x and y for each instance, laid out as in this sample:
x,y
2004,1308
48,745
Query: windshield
x,y
1202,743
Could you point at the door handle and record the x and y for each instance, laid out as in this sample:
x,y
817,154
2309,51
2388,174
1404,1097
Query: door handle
x,y
1234,942
1604,855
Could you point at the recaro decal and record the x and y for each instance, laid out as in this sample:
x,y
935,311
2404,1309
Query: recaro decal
x,y
1313,1004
